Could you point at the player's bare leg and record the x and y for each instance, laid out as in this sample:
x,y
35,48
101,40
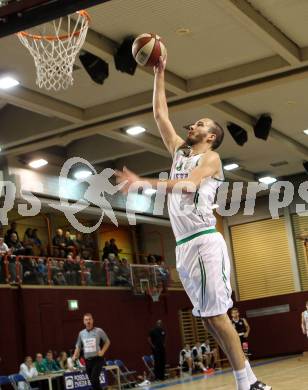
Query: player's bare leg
x,y
226,336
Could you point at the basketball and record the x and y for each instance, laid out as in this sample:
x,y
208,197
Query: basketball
x,y
147,48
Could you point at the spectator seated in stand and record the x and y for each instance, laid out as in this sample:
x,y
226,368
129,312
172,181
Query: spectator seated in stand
x,y
71,269
39,364
16,249
59,274
113,265
89,246
112,248
69,243
9,232
121,273
210,355
79,244
106,250
28,242
58,243
31,274
64,362
105,269
28,371
42,270
151,260
38,248
50,363
4,250
163,273
77,269
85,271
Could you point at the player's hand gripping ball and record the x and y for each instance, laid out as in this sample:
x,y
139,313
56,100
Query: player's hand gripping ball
x,y
147,48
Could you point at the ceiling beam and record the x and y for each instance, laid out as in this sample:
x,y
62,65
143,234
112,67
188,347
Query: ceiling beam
x,y
43,104
98,149
244,72
255,22
248,121
145,165
105,48
117,120
145,140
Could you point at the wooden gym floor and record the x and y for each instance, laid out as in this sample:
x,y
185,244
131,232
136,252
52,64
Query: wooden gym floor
x,y
281,373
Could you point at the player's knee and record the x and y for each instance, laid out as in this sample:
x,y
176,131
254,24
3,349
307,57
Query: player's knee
x,y
215,320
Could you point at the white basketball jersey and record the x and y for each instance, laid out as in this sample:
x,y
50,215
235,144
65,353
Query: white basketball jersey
x,y
184,354
191,212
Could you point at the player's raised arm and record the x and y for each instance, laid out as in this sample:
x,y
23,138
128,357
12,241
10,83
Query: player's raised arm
x,y
160,109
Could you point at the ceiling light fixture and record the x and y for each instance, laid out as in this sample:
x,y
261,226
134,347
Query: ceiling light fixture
x,y
38,163
305,132
267,180
231,166
8,82
135,130
82,174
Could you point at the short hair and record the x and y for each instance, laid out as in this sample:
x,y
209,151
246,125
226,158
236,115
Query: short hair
x,y
219,132
87,315
235,309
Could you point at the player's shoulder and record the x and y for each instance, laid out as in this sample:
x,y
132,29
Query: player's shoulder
x,y
210,156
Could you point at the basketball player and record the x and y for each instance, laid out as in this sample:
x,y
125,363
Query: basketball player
x,y
95,344
197,356
201,252
304,320
186,361
240,324
210,354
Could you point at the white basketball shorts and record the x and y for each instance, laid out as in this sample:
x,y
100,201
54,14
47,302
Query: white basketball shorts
x,y
204,268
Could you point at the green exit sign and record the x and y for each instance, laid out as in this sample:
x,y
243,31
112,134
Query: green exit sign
x,y
72,304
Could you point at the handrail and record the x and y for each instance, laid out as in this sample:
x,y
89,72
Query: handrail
x,y
106,274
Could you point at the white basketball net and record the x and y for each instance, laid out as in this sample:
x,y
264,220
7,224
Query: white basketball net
x,y
54,52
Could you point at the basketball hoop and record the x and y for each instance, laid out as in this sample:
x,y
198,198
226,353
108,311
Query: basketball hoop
x,y
154,293
54,53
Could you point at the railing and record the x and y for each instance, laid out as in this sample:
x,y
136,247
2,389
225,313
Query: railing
x,y
40,270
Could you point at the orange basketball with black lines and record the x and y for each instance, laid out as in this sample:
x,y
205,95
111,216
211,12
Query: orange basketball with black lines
x,y
147,48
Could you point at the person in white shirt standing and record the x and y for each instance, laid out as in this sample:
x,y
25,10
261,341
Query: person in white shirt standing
x,y
95,343
28,371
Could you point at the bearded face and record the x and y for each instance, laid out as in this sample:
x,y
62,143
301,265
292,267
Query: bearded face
x,y
199,131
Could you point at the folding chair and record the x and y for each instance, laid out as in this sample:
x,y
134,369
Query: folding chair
x,y
4,380
17,378
148,360
126,374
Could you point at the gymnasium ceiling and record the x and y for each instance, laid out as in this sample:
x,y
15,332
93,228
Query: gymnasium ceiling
x,y
238,60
